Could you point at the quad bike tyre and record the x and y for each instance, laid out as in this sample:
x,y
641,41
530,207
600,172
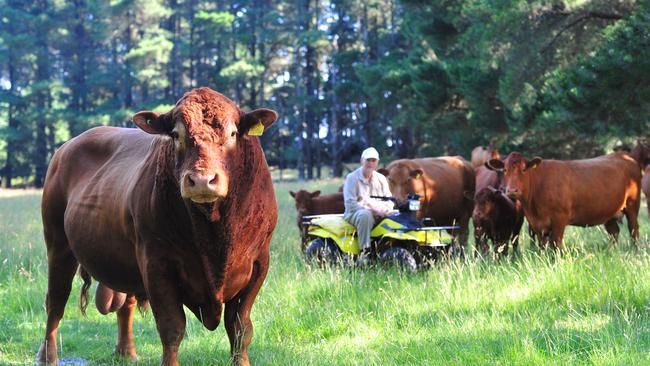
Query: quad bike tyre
x,y
322,252
400,258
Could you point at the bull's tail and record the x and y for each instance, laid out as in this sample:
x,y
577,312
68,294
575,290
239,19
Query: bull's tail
x,y
83,297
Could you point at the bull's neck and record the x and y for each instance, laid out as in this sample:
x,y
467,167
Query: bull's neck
x,y
214,239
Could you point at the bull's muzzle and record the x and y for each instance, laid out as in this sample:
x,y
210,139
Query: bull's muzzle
x,y
204,188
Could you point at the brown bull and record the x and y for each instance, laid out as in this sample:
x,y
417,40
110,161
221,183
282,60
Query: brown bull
x,y
443,183
481,154
496,217
179,212
586,192
313,203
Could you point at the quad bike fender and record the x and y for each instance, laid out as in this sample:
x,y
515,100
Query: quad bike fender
x,y
347,243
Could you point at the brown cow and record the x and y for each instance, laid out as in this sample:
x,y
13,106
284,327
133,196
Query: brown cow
x,y
481,154
312,203
496,217
180,214
641,153
645,186
443,183
586,192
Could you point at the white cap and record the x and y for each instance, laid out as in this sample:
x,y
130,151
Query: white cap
x,y
370,153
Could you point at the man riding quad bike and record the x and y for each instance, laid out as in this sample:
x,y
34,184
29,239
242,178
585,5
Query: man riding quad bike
x,y
400,238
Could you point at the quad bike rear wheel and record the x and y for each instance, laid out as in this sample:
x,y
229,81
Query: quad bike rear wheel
x,y
400,258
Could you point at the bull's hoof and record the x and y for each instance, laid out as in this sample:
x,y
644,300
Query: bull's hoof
x,y
127,353
45,358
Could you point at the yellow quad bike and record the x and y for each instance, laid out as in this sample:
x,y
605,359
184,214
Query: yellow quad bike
x,y
399,238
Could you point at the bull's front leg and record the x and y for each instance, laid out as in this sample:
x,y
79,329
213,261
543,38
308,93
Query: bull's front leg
x,y
237,315
164,299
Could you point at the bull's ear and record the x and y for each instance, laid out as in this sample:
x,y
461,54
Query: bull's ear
x,y
255,122
416,173
293,194
152,122
533,163
494,164
383,171
315,194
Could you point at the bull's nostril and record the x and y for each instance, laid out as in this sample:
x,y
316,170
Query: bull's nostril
x,y
213,180
190,182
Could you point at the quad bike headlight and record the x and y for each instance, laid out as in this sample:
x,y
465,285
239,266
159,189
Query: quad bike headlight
x,y
414,205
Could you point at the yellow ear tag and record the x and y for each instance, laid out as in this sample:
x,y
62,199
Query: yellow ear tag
x,y
418,176
256,130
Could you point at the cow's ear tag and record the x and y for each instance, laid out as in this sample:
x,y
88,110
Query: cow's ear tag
x,y
418,176
256,130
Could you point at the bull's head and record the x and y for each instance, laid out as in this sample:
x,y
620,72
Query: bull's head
x,y
303,200
516,173
206,129
403,179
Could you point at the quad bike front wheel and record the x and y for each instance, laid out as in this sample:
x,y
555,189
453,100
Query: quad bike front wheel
x,y
323,252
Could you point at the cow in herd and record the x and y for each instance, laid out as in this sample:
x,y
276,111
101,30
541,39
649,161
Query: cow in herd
x,y
442,184
179,212
586,192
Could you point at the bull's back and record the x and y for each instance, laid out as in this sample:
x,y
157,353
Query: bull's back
x,y
86,196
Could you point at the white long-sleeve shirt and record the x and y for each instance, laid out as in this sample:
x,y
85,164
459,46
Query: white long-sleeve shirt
x,y
357,191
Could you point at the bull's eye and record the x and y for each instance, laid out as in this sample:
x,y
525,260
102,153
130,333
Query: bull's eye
x,y
174,135
233,133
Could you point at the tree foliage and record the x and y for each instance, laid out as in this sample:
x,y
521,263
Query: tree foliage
x,y
566,79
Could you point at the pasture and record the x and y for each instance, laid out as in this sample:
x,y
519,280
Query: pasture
x,y
589,306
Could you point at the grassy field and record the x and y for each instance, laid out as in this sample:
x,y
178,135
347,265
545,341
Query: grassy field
x,y
587,307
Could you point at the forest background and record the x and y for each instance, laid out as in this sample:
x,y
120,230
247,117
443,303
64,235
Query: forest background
x,y
562,79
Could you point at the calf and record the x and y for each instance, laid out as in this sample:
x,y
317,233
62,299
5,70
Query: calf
x,y
496,217
312,203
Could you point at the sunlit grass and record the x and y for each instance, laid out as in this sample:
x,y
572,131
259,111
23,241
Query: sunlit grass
x,y
589,306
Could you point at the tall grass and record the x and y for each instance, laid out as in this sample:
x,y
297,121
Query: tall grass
x,y
588,306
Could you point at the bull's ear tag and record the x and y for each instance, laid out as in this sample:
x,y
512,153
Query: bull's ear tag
x,y
256,130
418,176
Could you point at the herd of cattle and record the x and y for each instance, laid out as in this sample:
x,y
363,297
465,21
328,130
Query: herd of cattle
x,y
180,212
497,194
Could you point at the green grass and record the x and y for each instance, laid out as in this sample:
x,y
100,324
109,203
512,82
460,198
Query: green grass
x,y
587,307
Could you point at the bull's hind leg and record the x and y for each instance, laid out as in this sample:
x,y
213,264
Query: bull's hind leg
x,y
237,316
62,266
125,345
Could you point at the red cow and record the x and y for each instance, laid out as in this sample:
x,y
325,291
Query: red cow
x,y
496,217
180,213
587,192
312,203
443,183
481,154
641,153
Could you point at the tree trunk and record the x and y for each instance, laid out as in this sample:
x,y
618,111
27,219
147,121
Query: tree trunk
x,y
42,102
12,143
